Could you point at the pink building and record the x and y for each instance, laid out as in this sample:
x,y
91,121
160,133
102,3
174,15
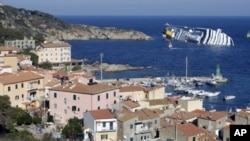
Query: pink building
x,y
72,100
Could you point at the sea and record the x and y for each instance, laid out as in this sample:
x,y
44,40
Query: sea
x,y
234,61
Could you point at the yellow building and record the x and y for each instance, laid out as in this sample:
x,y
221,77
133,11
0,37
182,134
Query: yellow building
x,y
24,88
8,58
189,104
55,53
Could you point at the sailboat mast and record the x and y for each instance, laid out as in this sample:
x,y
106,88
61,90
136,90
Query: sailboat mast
x,y
186,68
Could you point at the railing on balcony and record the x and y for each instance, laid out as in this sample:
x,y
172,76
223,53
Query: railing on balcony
x,y
32,87
31,98
144,130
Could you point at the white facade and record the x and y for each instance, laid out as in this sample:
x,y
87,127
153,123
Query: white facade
x,y
54,52
5,70
22,44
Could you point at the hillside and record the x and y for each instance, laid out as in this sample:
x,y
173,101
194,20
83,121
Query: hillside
x,y
35,23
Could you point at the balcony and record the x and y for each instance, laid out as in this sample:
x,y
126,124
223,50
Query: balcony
x,y
31,98
32,87
144,130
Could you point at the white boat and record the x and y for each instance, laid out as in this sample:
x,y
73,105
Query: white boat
x,y
212,94
170,45
168,94
211,82
229,97
248,34
201,93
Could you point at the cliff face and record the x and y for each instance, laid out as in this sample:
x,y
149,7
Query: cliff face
x,y
33,23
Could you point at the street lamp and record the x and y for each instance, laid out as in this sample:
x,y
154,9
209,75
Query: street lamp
x,y
101,55
44,106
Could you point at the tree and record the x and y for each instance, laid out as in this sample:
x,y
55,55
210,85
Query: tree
x,y
73,127
33,56
66,64
4,106
46,65
24,119
75,68
8,114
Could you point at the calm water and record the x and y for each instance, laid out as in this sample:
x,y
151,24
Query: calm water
x,y
234,61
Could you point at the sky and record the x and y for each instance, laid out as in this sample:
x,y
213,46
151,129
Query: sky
x,y
136,7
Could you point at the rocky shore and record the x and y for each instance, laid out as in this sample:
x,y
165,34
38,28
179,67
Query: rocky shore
x,y
92,68
33,23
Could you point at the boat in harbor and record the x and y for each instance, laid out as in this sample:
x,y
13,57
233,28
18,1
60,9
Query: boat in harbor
x,y
212,94
229,97
170,45
248,34
198,35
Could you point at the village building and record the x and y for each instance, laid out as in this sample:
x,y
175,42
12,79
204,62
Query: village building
x,y
24,89
142,124
212,121
74,98
8,59
189,103
100,125
21,44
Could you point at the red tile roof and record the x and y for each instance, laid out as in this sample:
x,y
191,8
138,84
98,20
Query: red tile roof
x,y
85,89
131,88
102,114
4,48
55,45
190,130
20,77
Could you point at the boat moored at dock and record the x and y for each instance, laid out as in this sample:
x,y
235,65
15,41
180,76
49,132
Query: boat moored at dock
x,y
229,97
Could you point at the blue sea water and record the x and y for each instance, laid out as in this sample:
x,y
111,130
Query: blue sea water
x,y
202,60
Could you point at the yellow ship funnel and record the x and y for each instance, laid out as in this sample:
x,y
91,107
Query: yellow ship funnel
x,y
169,33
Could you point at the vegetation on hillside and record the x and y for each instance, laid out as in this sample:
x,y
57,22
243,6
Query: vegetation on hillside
x,y
9,34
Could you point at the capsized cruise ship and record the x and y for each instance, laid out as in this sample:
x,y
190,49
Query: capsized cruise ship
x,y
204,36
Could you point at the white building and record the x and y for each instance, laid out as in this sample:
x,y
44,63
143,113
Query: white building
x,y
100,125
21,44
56,53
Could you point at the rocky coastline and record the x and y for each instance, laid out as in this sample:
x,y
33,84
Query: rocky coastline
x,y
32,23
93,68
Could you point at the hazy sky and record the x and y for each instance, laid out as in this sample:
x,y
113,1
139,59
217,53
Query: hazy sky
x,y
136,7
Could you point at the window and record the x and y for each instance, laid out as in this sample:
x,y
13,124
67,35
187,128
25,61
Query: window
x,y
65,100
193,138
55,105
16,97
22,96
98,98
73,108
55,95
9,89
114,94
104,124
155,121
78,109
98,107
38,82
131,126
131,139
22,85
104,136
65,111
111,126
107,96
16,86
74,97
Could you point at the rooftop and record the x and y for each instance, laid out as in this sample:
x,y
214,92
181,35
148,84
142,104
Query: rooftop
x,y
102,114
19,77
